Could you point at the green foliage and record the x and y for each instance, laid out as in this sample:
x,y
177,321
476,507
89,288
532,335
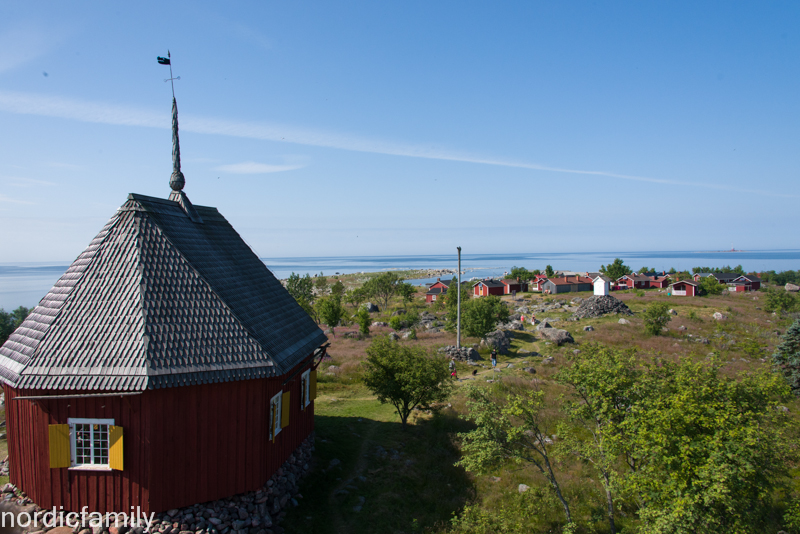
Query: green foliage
x,y
321,284
383,287
412,334
603,383
792,518
655,318
407,292
9,321
330,311
640,292
726,269
396,322
480,316
643,270
355,297
781,278
709,450
450,300
405,376
549,272
522,273
515,429
615,269
300,288
672,270
524,512
694,317
787,357
337,289
778,300
710,286
363,320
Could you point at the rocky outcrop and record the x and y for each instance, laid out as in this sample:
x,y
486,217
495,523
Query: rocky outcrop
x,y
499,339
464,354
556,335
599,305
371,307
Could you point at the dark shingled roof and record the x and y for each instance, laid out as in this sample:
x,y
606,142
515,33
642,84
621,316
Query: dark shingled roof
x,y
167,294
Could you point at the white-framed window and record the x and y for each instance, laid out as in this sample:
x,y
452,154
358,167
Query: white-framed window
x,y
433,297
89,442
275,406
305,389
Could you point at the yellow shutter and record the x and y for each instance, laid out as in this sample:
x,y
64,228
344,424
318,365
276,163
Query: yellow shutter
x,y
115,448
285,409
313,388
59,446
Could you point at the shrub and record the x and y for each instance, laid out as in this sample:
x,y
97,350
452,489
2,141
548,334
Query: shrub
x,y
396,322
364,320
655,318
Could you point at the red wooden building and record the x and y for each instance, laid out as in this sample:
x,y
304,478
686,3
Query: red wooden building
x,y
166,367
511,285
634,281
684,288
488,287
436,290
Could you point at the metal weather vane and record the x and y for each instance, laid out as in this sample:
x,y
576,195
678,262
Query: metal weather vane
x,y
176,181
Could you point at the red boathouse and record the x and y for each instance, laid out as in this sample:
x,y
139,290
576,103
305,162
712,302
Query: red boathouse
x,y
166,367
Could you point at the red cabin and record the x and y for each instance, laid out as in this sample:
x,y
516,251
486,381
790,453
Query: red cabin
x,y
684,288
488,287
510,286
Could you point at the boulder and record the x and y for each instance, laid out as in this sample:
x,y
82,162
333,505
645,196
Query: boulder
x,y
393,336
672,312
380,323
499,339
791,287
371,307
398,312
522,488
549,359
530,370
624,321
719,316
589,328
557,336
464,354
599,305
541,326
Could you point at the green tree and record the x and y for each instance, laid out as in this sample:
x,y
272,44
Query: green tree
x,y
300,288
482,315
383,287
515,429
711,450
450,300
778,300
655,318
787,357
396,322
616,269
355,297
321,285
337,289
330,311
405,376
710,286
603,384
11,321
521,273
644,270
407,292
363,320
549,272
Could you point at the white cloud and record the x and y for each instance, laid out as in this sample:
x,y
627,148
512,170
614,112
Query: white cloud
x,y
33,104
251,167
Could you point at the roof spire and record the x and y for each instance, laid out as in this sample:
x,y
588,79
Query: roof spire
x,y
176,181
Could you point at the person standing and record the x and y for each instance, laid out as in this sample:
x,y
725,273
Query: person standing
x,y
453,368
494,358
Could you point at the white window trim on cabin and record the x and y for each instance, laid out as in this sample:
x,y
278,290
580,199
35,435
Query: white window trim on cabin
x,y
73,446
305,389
275,410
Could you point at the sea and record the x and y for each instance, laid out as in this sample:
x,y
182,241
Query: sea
x,y
24,284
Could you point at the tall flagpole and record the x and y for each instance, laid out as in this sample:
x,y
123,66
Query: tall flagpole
x,y
458,288
171,78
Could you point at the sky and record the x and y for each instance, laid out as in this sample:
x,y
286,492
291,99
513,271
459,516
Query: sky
x,y
404,128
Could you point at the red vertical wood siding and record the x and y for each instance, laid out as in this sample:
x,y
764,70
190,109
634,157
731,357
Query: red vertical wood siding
x,y
183,445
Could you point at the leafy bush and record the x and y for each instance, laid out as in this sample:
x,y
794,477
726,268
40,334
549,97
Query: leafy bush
x,y
656,317
479,316
396,322
363,320
777,300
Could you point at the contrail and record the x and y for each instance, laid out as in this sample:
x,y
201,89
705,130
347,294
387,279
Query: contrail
x,y
51,106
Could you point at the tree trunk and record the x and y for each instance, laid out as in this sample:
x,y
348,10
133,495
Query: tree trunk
x,y
610,503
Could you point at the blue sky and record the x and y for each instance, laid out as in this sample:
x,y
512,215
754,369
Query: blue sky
x,y
371,128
